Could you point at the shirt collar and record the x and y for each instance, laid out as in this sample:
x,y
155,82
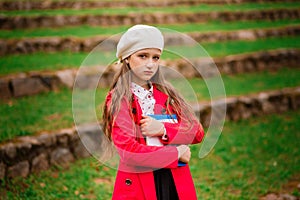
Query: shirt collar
x,y
141,92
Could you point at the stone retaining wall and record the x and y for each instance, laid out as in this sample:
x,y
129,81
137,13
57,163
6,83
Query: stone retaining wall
x,y
75,44
31,83
263,103
243,63
32,154
23,22
46,5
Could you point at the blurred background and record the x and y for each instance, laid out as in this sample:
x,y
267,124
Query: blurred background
x,y
255,46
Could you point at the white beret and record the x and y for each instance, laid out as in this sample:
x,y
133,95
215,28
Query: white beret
x,y
137,38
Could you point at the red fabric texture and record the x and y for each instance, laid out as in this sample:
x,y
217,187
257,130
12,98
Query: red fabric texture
x,y
135,178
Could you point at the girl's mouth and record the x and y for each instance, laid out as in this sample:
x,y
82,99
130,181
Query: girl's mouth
x,y
148,72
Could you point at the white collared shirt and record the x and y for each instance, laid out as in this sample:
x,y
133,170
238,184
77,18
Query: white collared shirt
x,y
145,98
147,102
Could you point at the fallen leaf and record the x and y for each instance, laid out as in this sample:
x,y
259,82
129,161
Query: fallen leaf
x,y
42,185
101,181
65,188
54,175
54,116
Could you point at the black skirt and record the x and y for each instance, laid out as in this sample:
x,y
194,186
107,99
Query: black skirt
x,y
164,185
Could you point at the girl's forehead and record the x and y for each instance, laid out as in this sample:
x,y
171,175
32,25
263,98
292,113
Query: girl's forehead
x,y
150,51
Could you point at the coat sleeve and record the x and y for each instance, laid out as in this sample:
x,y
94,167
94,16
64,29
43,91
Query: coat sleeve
x,y
184,132
131,151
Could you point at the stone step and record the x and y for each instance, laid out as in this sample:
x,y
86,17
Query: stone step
x,y
32,154
24,22
77,44
31,83
49,5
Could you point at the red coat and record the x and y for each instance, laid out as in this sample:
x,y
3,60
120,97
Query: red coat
x,y
135,178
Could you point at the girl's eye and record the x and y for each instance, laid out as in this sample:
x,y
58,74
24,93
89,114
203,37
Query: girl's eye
x,y
142,56
156,57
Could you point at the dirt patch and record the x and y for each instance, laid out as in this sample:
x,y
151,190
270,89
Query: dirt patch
x,y
289,191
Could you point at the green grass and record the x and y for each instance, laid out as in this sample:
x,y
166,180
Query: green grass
x,y
179,9
85,179
244,84
40,61
48,111
53,110
221,49
62,60
87,31
252,157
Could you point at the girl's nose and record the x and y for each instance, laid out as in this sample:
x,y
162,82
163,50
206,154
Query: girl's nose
x,y
150,64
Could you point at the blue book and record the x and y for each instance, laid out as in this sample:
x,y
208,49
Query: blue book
x,y
154,141
165,118
180,164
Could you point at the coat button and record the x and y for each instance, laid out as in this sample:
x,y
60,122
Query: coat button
x,y
128,182
134,111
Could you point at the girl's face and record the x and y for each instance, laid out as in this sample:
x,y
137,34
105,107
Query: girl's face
x,y
144,65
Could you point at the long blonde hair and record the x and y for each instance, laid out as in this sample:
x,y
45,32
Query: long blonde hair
x,y
121,89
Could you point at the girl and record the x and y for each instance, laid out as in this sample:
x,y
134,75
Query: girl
x,y
149,123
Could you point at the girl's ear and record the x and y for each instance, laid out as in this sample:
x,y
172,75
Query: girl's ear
x,y
126,60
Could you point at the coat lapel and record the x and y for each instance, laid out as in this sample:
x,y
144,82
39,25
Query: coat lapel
x,y
137,116
160,101
136,110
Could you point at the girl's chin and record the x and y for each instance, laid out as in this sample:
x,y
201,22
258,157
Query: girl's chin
x,y
144,80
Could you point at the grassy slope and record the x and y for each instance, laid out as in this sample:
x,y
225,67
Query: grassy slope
x,y
87,31
256,159
252,157
181,9
62,60
53,110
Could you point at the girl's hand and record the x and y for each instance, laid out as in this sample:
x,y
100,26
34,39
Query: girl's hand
x,y
184,153
151,127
